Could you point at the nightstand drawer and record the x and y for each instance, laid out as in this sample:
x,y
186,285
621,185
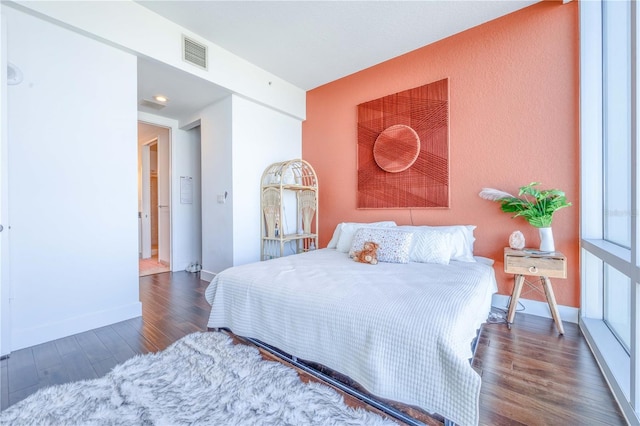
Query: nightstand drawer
x,y
523,264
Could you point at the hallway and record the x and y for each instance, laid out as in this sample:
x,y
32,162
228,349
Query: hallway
x,y
151,266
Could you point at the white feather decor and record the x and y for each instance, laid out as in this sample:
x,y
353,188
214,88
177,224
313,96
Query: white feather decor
x,y
494,194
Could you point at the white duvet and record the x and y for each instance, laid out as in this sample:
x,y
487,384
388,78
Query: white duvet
x,y
402,331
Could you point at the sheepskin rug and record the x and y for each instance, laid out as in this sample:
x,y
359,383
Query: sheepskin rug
x,y
201,379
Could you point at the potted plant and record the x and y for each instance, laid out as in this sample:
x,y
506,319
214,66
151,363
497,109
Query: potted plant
x,y
535,205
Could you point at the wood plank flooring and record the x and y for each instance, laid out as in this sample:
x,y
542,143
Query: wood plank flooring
x,y
530,375
173,306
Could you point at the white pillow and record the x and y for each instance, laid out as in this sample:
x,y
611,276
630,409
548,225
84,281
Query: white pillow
x,y
462,239
343,235
333,242
431,246
394,244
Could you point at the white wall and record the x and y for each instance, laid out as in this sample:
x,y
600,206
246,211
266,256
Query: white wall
x,y
73,237
74,233
187,218
217,164
261,136
137,29
239,140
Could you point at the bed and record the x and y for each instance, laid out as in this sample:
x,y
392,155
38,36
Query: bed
x,y
403,331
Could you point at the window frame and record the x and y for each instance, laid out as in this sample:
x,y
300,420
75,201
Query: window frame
x,y
622,370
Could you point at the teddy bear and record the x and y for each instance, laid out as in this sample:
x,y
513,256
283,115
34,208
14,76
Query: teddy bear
x,y
368,254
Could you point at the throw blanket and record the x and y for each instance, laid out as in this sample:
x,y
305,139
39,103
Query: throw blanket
x,y
403,331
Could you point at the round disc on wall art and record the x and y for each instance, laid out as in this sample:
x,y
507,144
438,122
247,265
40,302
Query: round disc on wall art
x,y
516,240
396,148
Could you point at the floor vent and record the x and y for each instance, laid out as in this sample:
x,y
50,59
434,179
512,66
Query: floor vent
x,y
193,52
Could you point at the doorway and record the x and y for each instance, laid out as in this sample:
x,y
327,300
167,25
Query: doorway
x,y
154,212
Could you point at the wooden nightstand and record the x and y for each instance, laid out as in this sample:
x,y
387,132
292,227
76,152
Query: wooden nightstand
x,y
545,266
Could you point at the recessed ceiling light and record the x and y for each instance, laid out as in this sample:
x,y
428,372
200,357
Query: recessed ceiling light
x,y
160,98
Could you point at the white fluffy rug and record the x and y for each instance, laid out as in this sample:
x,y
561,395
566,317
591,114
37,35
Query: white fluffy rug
x,y
201,379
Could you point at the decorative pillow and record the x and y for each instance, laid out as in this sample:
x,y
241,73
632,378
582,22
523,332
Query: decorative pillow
x,y
394,243
431,246
343,235
462,239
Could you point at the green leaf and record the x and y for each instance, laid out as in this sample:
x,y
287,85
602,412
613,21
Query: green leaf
x,y
534,205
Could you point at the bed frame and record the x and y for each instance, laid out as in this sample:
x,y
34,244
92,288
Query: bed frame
x,y
339,381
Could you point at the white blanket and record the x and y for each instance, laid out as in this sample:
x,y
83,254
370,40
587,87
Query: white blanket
x,y
403,331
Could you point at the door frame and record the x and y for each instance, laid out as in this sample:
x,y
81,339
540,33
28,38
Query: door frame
x,y
169,173
5,278
145,235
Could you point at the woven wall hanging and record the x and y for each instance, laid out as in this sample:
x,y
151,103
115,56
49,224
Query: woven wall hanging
x,y
403,149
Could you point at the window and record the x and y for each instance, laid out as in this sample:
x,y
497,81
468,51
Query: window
x,y
617,304
610,278
616,96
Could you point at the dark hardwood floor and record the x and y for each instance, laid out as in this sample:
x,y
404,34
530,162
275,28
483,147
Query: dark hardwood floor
x,y
530,375
533,376
173,306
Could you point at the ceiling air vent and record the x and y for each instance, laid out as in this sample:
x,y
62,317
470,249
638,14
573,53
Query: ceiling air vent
x,y
151,104
193,52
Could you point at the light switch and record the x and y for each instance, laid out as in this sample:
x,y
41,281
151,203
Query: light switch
x,y
221,198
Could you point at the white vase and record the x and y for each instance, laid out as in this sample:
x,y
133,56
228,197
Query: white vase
x,y
546,239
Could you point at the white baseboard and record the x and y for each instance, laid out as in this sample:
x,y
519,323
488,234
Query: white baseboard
x,y
23,338
179,265
535,307
207,275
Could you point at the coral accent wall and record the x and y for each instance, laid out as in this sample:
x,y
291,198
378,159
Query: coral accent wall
x,y
513,120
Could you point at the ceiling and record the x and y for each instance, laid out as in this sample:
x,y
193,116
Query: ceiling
x,y
307,43
186,93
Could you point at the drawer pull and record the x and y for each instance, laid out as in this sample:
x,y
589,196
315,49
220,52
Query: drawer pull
x,y
533,269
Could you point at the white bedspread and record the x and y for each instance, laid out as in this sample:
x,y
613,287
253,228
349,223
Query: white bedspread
x,y
403,331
